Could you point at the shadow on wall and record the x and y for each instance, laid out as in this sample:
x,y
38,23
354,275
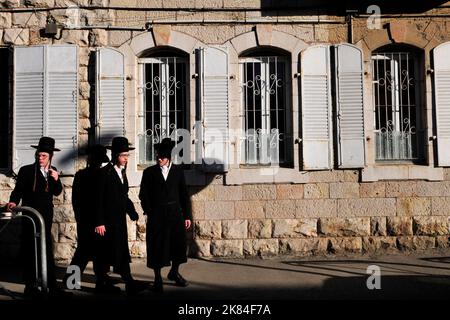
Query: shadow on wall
x,y
10,236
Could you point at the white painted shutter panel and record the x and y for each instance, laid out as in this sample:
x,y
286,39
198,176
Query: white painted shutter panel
x,y
350,108
28,103
110,95
214,104
442,100
62,97
316,108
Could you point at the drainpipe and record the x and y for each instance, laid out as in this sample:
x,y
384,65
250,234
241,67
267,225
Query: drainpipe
x,y
349,20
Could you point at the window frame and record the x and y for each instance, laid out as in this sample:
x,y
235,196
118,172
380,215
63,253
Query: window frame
x,y
142,113
264,59
420,107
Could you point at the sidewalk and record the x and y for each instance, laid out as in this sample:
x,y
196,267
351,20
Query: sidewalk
x,y
402,277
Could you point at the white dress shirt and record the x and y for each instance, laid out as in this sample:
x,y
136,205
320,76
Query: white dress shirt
x,y
165,170
119,172
44,173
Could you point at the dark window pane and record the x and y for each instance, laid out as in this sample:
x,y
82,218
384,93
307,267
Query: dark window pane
x,y
4,107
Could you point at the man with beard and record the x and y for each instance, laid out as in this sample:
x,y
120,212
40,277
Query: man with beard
x,y
36,185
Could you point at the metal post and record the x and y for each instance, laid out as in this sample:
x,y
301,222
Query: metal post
x,y
17,214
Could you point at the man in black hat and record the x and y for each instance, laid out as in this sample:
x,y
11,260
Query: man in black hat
x,y
111,223
165,200
85,203
36,185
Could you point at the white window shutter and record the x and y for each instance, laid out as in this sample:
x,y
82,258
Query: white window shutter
x,y
316,108
442,99
110,95
45,103
61,112
214,106
29,67
350,108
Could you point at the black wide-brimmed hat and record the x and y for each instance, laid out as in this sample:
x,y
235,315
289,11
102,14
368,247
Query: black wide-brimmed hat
x,y
164,148
97,152
119,145
46,144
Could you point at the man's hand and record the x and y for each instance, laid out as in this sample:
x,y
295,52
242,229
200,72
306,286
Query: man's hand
x,y
100,230
187,224
54,174
10,205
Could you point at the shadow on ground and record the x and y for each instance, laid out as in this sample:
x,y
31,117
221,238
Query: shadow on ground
x,y
287,279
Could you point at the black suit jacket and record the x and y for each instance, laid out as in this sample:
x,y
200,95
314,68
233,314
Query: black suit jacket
x,y
39,199
114,205
85,195
156,192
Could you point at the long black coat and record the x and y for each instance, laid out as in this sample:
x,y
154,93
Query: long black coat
x,y
167,205
113,208
41,199
85,203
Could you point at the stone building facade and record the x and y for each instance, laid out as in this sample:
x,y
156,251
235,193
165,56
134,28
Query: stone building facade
x,y
317,193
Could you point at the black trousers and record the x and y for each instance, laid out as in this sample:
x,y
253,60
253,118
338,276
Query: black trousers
x,y
166,238
85,246
102,261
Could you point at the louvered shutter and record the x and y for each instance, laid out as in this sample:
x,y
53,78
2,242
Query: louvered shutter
x,y
442,100
110,95
61,111
350,109
316,108
214,104
28,103
45,103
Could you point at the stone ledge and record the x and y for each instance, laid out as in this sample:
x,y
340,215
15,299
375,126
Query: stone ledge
x,y
401,172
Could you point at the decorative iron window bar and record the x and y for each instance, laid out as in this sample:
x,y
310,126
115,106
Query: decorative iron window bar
x,y
396,114
264,97
164,100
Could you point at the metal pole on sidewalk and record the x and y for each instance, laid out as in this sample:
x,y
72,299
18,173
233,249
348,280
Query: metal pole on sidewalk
x,y
17,213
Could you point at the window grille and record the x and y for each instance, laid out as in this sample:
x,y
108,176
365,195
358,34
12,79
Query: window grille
x,y
164,101
264,95
396,113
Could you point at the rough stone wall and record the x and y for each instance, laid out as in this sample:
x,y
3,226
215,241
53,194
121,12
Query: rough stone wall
x,y
336,215
265,220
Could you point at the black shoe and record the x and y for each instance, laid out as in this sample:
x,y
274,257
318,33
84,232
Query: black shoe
x,y
106,288
57,293
179,280
33,293
158,286
111,280
133,287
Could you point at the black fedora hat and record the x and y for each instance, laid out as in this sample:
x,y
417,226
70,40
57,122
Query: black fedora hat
x,y
46,144
119,145
164,148
97,152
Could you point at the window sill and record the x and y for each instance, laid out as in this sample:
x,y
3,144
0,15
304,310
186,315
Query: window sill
x,y
401,172
265,175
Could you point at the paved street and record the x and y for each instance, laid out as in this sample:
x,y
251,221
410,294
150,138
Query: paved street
x,y
402,277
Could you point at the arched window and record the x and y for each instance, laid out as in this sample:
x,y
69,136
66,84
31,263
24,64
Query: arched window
x,y
265,87
398,112
164,78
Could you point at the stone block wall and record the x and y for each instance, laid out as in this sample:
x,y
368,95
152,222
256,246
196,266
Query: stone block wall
x,y
321,218
268,220
332,213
